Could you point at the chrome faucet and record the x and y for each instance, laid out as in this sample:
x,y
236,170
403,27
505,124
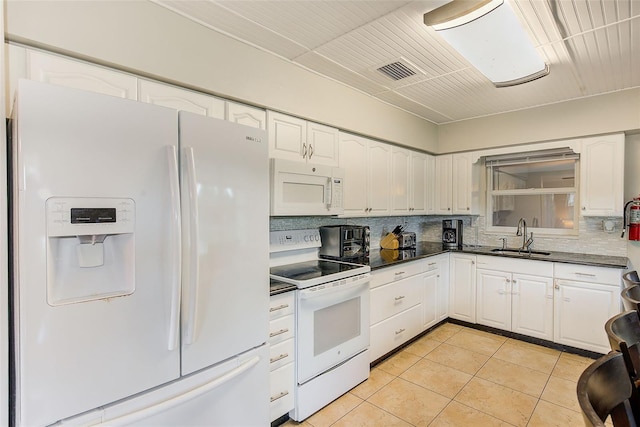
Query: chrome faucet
x,y
522,231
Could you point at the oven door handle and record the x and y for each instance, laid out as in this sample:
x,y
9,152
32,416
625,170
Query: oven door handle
x,y
320,291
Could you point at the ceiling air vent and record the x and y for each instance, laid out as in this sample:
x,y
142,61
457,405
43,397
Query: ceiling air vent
x,y
397,71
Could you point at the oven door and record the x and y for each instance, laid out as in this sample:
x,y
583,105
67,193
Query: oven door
x,y
332,326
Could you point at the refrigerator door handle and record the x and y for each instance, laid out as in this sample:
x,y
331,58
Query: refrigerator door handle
x,y
152,410
175,242
192,247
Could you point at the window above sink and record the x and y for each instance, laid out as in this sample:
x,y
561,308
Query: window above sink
x,y
540,187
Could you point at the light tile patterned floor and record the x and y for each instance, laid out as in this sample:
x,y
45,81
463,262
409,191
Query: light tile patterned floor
x,y
458,376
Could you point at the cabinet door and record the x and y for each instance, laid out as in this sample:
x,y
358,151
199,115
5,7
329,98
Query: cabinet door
x,y
431,185
493,303
246,115
462,292
442,310
180,99
532,306
430,298
580,311
353,155
461,184
64,72
443,184
418,184
379,175
602,176
287,137
323,146
400,168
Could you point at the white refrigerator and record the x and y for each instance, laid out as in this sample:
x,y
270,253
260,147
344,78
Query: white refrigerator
x,y
139,264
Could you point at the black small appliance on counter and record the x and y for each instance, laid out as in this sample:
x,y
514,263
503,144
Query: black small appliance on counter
x,y
452,233
345,242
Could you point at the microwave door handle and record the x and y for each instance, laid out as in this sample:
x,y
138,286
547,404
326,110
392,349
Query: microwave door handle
x,y
329,193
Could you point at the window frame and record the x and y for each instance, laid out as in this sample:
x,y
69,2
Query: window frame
x,y
540,231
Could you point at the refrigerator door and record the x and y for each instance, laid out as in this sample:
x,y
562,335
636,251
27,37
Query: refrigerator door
x,y
225,211
233,393
95,290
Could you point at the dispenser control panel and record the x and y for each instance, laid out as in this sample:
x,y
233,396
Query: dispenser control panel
x,y
76,216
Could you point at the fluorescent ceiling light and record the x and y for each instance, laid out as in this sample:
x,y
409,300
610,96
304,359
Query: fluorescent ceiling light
x,y
489,36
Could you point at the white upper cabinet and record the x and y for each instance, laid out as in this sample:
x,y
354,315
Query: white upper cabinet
x,y
444,190
64,72
180,99
246,115
400,181
367,166
461,183
296,139
458,185
602,176
412,190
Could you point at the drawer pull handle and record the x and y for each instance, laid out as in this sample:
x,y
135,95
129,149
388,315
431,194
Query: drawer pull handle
x,y
279,396
399,273
585,274
432,263
401,297
280,307
399,331
282,356
280,332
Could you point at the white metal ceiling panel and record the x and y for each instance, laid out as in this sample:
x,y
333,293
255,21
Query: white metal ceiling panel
x,y
337,72
227,22
413,107
312,23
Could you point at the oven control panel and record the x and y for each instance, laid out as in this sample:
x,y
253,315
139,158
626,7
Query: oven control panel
x,y
288,240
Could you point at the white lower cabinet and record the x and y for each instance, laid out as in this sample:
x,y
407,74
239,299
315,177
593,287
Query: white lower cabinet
x,y
435,283
462,287
585,298
511,298
396,307
281,353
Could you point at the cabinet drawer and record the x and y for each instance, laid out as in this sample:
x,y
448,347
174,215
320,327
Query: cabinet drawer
x,y
393,274
392,332
522,266
281,329
394,298
588,273
280,354
281,391
281,305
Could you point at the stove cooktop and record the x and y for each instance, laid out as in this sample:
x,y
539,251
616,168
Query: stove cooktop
x,y
315,272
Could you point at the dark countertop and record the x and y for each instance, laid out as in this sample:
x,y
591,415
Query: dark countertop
x,y
385,257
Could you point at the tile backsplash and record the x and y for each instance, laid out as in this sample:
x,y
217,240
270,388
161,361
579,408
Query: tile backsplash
x,y
592,238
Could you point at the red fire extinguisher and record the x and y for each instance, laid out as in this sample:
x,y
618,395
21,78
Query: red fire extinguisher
x,y
634,219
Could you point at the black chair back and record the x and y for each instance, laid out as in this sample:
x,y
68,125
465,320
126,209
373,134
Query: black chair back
x,y
631,278
604,390
631,298
623,331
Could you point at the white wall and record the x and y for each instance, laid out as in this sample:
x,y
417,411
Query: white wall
x,y
614,112
632,188
144,38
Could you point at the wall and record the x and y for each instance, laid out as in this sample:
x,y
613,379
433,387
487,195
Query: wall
x,y
632,188
144,38
613,112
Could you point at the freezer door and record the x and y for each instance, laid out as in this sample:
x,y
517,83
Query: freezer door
x,y
233,393
99,322
225,211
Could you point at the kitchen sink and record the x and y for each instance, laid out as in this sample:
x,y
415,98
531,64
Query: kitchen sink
x,y
519,251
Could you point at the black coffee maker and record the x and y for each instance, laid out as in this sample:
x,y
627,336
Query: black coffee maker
x,y
452,233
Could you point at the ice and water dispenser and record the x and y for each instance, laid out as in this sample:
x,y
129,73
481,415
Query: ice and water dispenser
x,y
90,249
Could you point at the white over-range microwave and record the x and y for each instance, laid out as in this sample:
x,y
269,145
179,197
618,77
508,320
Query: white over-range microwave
x,y
299,188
